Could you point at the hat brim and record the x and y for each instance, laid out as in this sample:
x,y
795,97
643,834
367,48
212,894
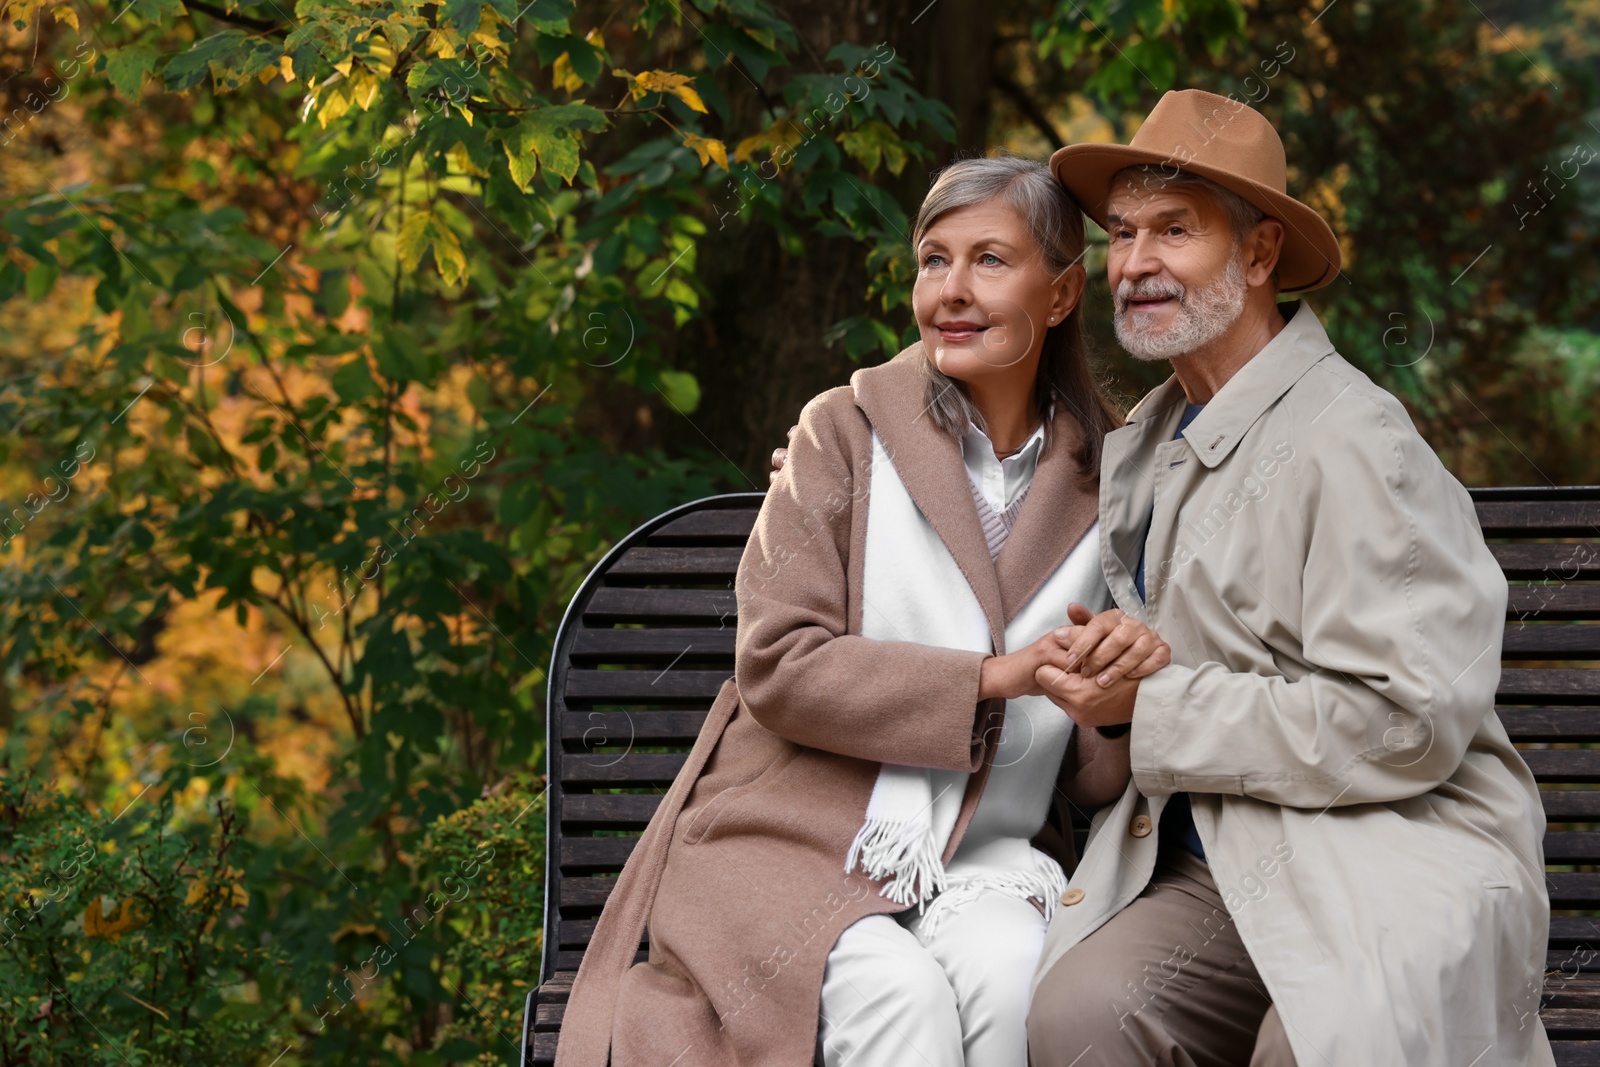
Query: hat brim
x,y
1310,258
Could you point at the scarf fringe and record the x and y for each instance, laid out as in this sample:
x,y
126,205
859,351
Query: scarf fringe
x,y
903,848
1045,883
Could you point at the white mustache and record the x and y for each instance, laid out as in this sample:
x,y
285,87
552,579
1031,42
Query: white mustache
x,y
1148,290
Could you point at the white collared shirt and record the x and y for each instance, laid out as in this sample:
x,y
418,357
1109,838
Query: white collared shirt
x,y
1001,481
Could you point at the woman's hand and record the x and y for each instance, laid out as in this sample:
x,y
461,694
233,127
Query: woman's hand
x,y
780,456
1015,673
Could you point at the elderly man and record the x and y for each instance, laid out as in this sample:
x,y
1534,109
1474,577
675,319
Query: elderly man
x,y
1329,852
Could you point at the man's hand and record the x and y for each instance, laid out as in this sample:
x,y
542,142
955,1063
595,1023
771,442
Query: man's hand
x,y
1087,701
1093,671
780,456
1109,646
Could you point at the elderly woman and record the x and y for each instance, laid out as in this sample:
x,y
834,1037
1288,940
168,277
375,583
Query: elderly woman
x,y
859,859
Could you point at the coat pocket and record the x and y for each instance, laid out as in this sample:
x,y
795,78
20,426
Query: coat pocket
x,y
705,819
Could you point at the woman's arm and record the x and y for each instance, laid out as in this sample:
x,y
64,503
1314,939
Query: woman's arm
x,y
801,672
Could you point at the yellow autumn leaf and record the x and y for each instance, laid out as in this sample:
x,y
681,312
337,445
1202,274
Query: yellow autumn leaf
x,y
20,12
784,133
707,148
65,13
594,38
364,86
286,68
563,75
96,923
670,82
334,104
463,162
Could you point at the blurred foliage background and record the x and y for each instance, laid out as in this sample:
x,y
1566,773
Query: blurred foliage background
x,y
337,343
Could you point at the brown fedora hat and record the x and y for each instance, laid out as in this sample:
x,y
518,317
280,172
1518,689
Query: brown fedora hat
x,y
1227,141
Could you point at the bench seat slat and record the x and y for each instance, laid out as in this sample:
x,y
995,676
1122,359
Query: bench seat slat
x,y
678,563
1564,764
714,606
610,853
731,524
1551,640
621,769
1562,562
1526,518
669,685
1569,890
591,729
1552,600
1551,724
667,645
607,811
1573,846
1529,685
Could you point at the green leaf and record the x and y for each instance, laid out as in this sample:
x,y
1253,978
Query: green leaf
x,y
126,67
549,137
464,15
41,279
11,280
354,381
188,69
548,16
423,229
681,390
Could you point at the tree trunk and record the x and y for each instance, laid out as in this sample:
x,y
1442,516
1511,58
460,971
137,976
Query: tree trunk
x,y
760,356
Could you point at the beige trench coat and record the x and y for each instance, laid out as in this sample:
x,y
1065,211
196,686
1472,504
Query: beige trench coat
x,y
740,875
1335,621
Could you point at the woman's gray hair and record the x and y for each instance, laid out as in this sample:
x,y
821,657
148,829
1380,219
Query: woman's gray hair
x,y
1056,225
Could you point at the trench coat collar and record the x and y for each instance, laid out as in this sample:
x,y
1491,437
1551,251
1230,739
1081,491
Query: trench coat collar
x,y
1246,396
1057,514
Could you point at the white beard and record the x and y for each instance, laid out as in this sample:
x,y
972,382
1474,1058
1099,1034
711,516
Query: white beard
x,y
1204,314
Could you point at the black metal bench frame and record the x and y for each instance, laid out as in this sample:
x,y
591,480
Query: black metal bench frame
x,y
648,639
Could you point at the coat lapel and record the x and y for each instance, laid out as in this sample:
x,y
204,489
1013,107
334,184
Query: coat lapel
x,y
1057,513
929,464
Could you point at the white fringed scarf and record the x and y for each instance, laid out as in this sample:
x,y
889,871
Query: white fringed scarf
x,y
913,810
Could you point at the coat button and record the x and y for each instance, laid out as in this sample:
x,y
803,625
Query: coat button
x,y
1141,826
1071,896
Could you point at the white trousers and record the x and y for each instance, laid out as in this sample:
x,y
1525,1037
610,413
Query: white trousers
x,y
892,997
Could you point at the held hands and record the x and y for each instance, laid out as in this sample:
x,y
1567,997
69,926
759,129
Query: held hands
x,y
1091,666
1092,671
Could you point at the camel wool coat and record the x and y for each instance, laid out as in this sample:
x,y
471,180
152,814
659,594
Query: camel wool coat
x,y
1335,620
740,875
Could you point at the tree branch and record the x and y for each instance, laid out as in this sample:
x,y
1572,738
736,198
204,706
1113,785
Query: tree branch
x,y
1029,107
260,25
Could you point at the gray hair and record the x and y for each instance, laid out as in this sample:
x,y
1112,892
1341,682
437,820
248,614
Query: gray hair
x,y
1055,223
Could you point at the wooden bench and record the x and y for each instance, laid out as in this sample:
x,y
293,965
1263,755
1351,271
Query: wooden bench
x,y
648,639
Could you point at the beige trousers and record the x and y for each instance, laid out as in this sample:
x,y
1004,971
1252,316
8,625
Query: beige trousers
x,y
1166,982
